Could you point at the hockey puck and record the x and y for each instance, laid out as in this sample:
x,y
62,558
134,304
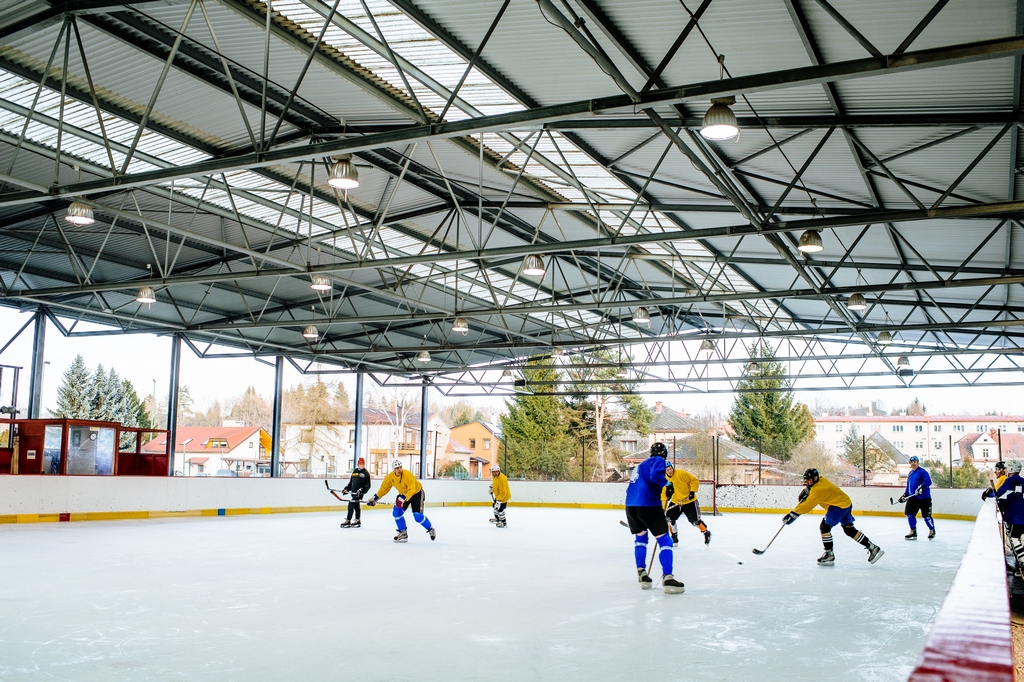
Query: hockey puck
x,y
740,563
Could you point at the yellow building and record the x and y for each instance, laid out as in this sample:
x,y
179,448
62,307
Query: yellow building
x,y
482,439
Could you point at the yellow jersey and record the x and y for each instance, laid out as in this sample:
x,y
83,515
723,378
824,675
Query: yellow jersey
x,y
826,494
500,489
406,484
683,483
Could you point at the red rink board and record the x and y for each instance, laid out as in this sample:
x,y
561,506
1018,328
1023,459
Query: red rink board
x,y
970,638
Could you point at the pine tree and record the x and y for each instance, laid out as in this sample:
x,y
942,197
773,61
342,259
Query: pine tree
x,y
537,443
74,396
764,414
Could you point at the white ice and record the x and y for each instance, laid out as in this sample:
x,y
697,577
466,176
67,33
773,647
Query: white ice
x,y
552,597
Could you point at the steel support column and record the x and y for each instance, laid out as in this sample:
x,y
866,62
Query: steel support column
x,y
172,403
357,440
275,425
35,382
424,418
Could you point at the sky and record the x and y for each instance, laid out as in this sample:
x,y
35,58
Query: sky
x,y
145,359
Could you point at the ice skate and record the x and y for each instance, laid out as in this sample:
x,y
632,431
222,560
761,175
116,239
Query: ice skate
x,y
931,534
707,537
402,536
671,585
645,580
432,533
355,524
675,538
346,524
492,520
912,535
500,524
827,559
874,553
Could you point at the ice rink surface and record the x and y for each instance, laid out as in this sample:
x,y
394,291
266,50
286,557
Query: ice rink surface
x,y
552,597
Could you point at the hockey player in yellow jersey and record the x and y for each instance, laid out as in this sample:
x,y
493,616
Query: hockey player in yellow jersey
x,y
410,494
678,497
500,494
838,512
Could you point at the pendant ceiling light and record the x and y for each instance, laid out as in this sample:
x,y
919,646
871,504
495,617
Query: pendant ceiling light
x,y
320,283
506,373
884,338
423,356
753,368
719,122
557,352
707,344
857,302
79,214
460,325
642,316
533,266
146,295
311,333
810,242
903,361
343,174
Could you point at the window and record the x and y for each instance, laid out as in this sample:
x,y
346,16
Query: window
x,y
958,427
351,435
937,445
897,428
839,428
629,445
1020,428
217,443
487,443
984,453
899,444
918,428
820,428
982,428
251,445
919,445
1002,428
875,428
472,443
937,428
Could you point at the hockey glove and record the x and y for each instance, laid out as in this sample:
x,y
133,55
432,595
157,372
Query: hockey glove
x,y
372,501
803,494
692,496
790,518
987,493
400,501
903,498
670,491
490,489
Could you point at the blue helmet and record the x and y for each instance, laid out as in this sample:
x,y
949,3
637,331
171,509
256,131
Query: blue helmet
x,y
914,459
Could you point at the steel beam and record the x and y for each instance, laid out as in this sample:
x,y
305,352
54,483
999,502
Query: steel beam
x,y
424,423
172,404
35,381
275,419
357,440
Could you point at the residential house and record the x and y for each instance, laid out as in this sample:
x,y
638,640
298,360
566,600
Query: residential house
x,y
886,465
458,454
735,463
668,426
985,449
205,450
482,439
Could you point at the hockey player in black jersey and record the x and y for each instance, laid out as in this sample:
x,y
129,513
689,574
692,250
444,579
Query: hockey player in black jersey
x,y
357,486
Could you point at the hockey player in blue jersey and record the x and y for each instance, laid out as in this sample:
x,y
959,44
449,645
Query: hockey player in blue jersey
x,y
644,513
918,497
1011,492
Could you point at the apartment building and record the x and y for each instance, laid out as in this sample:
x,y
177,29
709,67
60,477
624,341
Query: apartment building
x,y
927,436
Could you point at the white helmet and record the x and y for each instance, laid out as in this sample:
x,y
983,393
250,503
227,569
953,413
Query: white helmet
x,y
1013,466
495,467
397,464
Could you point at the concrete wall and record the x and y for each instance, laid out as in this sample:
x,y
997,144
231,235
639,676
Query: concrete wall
x,y
35,498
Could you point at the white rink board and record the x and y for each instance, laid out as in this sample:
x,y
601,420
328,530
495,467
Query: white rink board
x,y
553,597
82,494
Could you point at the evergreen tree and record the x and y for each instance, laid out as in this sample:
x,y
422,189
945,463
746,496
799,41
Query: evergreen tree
x,y
537,443
763,413
851,446
74,396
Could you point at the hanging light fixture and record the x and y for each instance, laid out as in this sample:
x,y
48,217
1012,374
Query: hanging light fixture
x,y
884,338
343,174
557,352
810,242
753,368
146,295
642,316
719,122
311,333
707,344
903,361
79,214
320,283
533,266
423,356
460,325
857,302
505,373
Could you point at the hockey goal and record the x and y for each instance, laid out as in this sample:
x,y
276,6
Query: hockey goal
x,y
707,496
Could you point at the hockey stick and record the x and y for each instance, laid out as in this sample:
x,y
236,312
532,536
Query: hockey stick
x,y
762,551
335,493
917,492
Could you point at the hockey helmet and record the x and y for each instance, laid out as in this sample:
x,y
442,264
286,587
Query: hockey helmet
x,y
1013,466
914,458
1000,466
397,464
495,467
659,450
811,477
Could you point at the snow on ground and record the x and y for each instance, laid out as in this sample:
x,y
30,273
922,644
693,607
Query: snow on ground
x,y
552,597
